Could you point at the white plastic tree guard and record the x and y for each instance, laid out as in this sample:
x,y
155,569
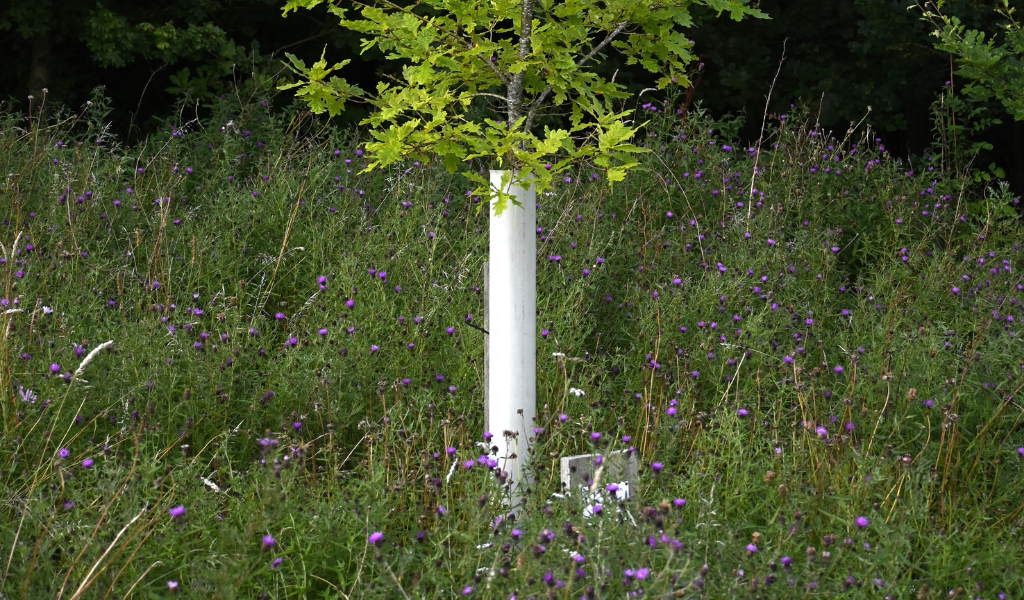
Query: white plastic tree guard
x,y
512,331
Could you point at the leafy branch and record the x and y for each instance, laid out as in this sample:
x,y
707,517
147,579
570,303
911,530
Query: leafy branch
x,y
524,53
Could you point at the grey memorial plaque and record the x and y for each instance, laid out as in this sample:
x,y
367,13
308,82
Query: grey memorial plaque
x,y
582,471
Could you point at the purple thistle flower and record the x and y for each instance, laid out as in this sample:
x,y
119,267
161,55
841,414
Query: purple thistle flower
x,y
268,542
276,563
375,538
657,467
177,513
839,370
87,463
751,549
55,368
63,453
862,522
742,412
679,502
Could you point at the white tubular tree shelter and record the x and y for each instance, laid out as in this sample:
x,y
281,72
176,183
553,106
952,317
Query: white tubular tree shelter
x,y
512,325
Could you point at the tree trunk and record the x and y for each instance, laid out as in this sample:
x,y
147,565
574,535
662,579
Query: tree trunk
x,y
39,69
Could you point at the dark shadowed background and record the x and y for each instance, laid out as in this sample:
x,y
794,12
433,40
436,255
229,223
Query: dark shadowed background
x,y
842,56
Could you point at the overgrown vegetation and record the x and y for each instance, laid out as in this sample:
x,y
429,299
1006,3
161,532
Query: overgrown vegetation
x,y
821,376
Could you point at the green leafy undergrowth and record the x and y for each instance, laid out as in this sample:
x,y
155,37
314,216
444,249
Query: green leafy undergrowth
x,y
820,376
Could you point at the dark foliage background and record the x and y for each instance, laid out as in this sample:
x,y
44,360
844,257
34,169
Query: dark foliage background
x,y
842,56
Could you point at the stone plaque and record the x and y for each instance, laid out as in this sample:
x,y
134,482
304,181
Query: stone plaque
x,y
580,471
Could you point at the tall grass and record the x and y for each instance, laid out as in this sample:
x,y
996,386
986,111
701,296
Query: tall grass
x,y
820,376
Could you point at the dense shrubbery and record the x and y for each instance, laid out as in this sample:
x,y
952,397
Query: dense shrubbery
x,y
826,370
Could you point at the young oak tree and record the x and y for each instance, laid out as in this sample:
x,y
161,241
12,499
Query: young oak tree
x,y
529,56
526,55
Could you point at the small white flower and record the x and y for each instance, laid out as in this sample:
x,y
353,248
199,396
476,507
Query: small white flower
x,y
557,354
577,392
